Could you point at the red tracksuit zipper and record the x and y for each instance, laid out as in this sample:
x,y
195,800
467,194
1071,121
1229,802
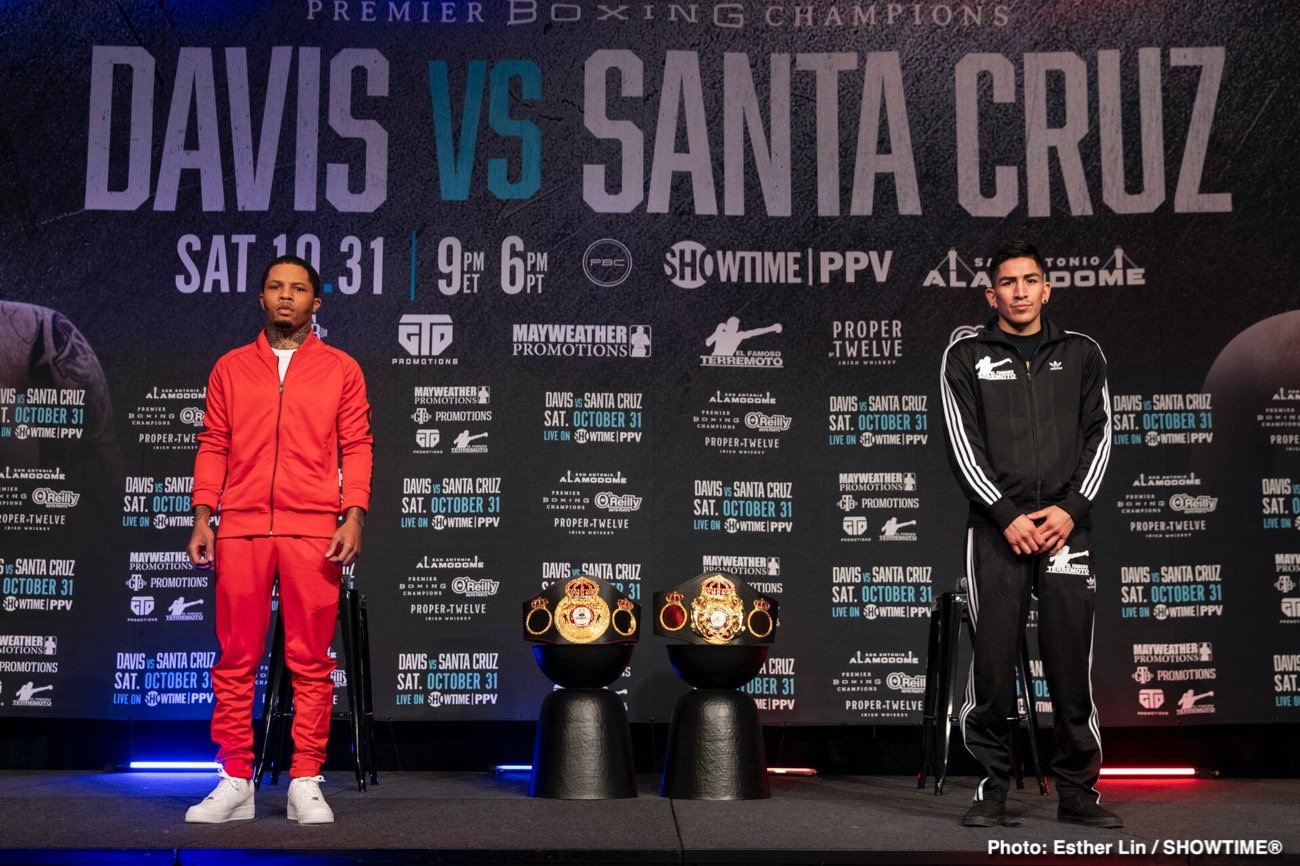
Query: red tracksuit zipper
x,y
275,459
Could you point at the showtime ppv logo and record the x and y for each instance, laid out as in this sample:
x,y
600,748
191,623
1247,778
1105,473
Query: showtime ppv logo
x,y
689,265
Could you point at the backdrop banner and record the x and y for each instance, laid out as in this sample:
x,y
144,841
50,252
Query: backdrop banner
x,y
643,290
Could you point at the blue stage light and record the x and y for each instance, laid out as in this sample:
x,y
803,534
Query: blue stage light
x,y
173,765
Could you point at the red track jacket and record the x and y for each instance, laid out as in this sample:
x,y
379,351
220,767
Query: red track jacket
x,y
269,454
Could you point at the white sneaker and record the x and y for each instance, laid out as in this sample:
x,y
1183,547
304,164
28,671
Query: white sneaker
x,y
306,803
231,800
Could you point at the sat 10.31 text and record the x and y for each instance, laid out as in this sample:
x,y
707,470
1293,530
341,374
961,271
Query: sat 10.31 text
x,y
221,263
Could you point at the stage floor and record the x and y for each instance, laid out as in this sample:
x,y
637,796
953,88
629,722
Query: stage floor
x,y
486,818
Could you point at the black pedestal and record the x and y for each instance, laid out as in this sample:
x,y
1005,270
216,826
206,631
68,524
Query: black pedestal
x,y
583,748
715,748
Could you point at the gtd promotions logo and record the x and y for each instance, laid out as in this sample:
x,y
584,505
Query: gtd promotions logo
x,y
607,263
854,526
424,336
1151,699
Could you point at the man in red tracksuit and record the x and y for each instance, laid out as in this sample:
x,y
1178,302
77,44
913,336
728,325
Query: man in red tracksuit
x,y
280,412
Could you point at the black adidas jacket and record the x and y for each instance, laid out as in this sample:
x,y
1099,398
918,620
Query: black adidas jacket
x,y
1024,437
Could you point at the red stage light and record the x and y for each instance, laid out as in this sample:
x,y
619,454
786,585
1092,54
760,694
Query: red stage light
x,y
1150,772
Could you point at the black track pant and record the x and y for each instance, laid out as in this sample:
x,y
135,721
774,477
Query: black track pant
x,y
1000,584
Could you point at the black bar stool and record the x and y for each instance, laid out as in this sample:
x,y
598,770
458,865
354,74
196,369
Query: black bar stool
x,y
950,610
277,706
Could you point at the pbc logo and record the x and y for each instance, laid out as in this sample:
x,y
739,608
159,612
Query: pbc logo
x,y
424,335
1151,699
855,525
607,263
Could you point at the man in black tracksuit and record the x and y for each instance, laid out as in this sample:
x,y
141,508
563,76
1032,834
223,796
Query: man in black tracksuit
x,y
1027,413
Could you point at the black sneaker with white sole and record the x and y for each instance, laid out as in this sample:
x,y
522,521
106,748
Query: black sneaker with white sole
x,y
1087,811
986,813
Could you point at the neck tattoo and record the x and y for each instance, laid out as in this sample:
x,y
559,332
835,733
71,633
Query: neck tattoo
x,y
287,339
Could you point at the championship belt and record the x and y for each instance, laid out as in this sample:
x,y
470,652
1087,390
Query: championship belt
x,y
715,608
581,610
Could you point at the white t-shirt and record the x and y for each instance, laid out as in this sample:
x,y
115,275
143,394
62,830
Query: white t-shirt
x,y
285,356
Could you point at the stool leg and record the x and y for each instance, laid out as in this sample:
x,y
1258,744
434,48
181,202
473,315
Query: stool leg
x,y
951,639
363,686
280,757
347,601
930,716
272,707
1031,716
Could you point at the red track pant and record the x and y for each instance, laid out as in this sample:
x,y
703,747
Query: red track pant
x,y
309,603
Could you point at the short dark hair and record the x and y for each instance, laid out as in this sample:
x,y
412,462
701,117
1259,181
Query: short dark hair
x,y
300,262
1017,249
